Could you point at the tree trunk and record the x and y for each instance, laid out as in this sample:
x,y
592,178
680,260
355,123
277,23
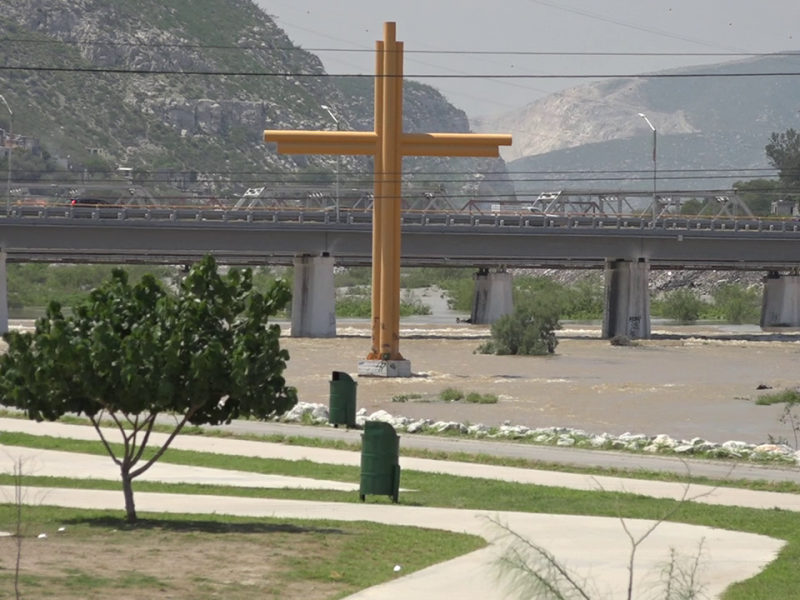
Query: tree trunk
x,y
127,490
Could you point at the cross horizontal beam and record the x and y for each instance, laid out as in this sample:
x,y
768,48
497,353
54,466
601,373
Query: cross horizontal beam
x,y
365,143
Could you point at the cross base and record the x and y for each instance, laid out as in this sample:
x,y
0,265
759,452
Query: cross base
x,y
384,368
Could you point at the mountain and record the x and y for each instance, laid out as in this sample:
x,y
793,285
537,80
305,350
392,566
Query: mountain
x,y
707,123
210,126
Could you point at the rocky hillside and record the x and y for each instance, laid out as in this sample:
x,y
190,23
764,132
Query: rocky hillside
x,y
707,122
211,124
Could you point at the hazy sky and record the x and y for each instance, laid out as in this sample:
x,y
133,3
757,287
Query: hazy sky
x,y
640,26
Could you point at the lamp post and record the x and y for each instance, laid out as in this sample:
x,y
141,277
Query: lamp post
x,y
10,149
655,166
338,158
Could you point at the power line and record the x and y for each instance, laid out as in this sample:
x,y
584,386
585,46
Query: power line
x,y
270,47
112,71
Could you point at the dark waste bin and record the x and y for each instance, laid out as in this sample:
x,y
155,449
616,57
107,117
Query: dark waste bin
x,y
342,406
380,461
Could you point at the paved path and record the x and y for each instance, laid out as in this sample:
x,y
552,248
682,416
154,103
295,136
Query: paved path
x,y
51,463
566,456
594,546
654,489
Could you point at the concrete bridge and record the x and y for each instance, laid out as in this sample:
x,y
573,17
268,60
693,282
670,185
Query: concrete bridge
x,y
626,247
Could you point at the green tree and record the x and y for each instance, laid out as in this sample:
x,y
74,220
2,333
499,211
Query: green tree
x,y
131,352
759,194
682,305
783,153
529,330
738,304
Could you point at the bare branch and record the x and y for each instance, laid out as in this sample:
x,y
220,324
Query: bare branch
x,y
125,438
148,424
163,448
558,570
96,424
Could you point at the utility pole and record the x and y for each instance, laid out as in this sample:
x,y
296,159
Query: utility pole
x,y
338,159
10,150
655,167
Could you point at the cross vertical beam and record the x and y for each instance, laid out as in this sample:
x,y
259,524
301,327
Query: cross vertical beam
x,y
388,145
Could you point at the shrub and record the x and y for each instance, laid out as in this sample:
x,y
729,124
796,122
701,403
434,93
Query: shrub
x,y
476,398
738,304
682,305
529,330
451,394
622,340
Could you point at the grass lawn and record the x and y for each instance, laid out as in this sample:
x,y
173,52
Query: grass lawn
x,y
215,556
778,581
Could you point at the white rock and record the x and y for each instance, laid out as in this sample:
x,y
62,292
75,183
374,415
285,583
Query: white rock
x,y
598,441
652,448
541,439
320,411
707,447
42,536
442,426
565,441
579,433
361,421
698,442
362,412
664,441
684,449
415,426
397,568
773,449
734,446
628,437
381,416
62,529
400,422
478,428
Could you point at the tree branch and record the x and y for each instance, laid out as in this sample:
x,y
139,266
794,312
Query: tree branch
x,y
148,424
96,424
163,448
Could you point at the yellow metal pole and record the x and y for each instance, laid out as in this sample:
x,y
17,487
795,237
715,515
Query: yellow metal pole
x,y
389,147
398,202
376,206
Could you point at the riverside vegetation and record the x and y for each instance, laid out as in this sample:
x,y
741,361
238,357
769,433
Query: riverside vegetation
x,y
32,286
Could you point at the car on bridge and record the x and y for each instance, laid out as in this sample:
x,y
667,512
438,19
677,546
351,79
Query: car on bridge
x,y
88,202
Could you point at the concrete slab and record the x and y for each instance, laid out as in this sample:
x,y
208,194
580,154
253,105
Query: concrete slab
x,y
51,463
595,547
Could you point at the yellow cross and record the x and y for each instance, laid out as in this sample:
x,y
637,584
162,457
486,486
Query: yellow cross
x,y
388,144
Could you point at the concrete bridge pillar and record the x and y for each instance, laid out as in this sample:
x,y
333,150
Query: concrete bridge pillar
x,y
627,299
493,297
314,297
780,308
3,294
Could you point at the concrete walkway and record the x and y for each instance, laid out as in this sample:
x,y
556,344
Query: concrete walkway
x,y
595,547
51,463
654,489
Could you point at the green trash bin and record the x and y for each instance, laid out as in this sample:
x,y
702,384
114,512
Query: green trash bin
x,y
380,461
342,406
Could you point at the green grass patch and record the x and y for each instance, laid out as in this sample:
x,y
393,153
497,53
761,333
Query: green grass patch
x,y
476,398
451,394
100,556
782,397
778,580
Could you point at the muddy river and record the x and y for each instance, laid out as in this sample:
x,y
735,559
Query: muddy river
x,y
688,382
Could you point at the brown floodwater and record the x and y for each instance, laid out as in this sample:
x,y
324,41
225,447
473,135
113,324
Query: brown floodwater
x,y
692,382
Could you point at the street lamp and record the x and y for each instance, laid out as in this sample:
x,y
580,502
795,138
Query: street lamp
x,y
655,166
10,147
338,157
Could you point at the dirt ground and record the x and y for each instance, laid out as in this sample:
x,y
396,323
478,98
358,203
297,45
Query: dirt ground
x,y
253,561
686,385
